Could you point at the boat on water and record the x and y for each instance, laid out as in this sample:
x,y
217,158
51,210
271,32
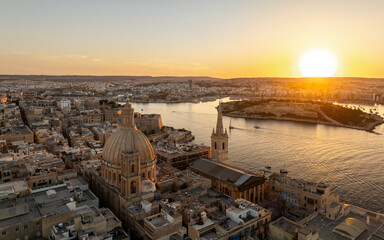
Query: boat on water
x,y
257,127
230,125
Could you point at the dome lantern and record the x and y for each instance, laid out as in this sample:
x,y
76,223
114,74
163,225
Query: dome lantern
x,y
127,117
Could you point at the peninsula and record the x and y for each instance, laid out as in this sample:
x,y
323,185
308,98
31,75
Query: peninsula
x,y
303,111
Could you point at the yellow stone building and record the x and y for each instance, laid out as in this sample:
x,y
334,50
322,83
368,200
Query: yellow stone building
x,y
128,168
228,179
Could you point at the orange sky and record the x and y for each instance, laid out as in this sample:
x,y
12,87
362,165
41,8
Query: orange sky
x,y
195,38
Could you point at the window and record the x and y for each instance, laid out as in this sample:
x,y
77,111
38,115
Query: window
x,y
133,187
25,227
3,233
223,146
215,145
17,229
37,223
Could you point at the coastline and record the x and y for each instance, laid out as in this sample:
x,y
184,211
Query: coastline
x,y
369,129
322,118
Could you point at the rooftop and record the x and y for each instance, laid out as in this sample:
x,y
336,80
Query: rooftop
x,y
15,131
326,226
40,204
227,173
158,220
172,149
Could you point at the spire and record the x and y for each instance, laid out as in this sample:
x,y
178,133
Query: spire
x,y
219,124
127,117
219,140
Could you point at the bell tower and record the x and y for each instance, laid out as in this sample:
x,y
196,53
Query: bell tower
x,y
130,173
219,140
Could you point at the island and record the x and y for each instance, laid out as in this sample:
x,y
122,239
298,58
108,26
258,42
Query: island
x,y
316,112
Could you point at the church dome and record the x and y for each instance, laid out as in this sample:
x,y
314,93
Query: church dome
x,y
127,138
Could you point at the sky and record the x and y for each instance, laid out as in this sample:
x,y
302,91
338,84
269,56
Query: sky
x,y
218,38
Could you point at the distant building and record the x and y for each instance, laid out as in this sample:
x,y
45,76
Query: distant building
x,y
91,116
64,104
148,123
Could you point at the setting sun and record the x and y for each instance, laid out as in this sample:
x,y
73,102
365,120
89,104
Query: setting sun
x,y
318,63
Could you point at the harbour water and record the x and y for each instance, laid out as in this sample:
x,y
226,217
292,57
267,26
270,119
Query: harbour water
x,y
350,161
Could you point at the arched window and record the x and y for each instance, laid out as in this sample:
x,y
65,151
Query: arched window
x,y
123,187
223,146
133,187
133,168
215,145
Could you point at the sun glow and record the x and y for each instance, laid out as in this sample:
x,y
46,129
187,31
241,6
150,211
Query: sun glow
x,y
318,63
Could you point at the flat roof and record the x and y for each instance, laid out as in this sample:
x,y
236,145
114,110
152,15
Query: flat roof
x,y
325,226
286,225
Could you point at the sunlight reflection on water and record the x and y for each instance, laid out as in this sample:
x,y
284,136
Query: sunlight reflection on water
x,y
351,161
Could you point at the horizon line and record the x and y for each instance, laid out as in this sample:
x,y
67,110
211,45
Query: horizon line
x,y
170,76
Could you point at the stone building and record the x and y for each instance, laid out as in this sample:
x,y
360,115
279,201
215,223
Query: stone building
x,y
230,180
180,156
128,168
29,215
283,228
219,140
162,225
91,116
149,123
14,134
301,194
